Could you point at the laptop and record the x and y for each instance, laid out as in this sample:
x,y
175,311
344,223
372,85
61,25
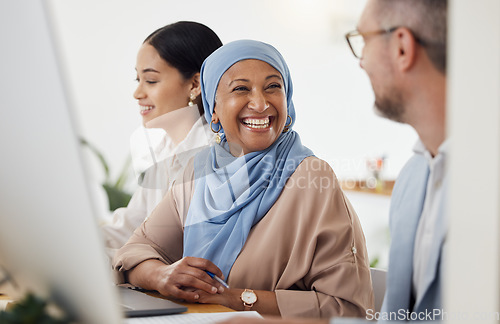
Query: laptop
x,y
50,243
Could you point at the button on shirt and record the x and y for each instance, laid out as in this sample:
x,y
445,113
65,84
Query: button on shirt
x,y
430,213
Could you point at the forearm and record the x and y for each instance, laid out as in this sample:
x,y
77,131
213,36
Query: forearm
x,y
266,301
144,274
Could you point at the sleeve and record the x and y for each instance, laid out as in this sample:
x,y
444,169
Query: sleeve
x,y
124,221
160,236
328,273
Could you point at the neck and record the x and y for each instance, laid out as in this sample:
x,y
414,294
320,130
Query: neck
x,y
235,150
427,111
177,123
431,137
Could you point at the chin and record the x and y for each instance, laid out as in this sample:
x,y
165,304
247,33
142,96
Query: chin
x,y
393,113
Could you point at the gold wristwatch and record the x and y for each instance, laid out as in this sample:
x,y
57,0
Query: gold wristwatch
x,y
248,297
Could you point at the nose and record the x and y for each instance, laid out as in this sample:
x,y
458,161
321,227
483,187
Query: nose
x,y
258,101
138,93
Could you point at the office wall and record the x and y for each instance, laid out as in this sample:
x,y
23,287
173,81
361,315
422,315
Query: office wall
x,y
332,94
333,97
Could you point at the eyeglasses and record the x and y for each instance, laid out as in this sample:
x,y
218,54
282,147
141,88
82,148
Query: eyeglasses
x,y
356,40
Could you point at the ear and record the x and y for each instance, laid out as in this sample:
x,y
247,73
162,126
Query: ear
x,y
195,84
215,118
406,48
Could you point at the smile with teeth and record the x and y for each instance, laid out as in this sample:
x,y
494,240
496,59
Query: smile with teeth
x,y
257,122
146,108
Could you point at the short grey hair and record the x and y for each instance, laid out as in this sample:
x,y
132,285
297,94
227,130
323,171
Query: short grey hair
x,y
427,19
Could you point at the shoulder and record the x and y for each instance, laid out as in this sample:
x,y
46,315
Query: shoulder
x,y
314,165
416,162
313,176
409,191
415,170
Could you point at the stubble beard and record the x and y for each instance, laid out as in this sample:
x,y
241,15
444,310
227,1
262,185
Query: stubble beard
x,y
391,107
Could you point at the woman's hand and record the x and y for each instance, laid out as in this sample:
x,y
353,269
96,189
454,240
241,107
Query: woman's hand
x,y
185,279
229,298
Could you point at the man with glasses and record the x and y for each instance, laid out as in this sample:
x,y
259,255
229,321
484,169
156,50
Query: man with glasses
x,y
401,44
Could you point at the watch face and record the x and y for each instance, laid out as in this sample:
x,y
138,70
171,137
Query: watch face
x,y
249,297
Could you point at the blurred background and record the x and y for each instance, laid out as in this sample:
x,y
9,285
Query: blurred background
x,y
99,41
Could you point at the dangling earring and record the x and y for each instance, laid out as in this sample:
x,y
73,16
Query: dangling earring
x,y
192,97
287,126
218,139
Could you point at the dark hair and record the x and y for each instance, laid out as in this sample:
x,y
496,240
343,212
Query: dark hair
x,y
426,18
184,45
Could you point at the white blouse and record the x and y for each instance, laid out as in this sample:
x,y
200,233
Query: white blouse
x,y
166,163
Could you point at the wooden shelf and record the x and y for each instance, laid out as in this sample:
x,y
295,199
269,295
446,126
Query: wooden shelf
x,y
381,188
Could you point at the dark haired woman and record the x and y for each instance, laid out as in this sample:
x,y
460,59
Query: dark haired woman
x,y
168,93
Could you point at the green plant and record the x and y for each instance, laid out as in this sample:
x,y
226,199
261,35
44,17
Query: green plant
x,y
374,262
117,196
30,310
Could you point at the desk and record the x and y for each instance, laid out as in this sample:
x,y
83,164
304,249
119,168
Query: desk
x,y
192,308
196,308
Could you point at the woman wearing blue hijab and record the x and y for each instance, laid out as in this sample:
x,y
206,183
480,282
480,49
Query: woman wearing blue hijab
x,y
257,209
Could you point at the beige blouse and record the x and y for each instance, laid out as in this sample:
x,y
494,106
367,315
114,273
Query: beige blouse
x,y
309,248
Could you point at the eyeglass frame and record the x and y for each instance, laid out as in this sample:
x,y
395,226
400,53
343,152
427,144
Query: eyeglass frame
x,y
374,33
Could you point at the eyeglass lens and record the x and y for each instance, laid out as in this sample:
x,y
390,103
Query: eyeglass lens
x,y
357,43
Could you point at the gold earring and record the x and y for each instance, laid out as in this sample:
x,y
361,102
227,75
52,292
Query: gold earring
x,y
218,139
192,97
287,126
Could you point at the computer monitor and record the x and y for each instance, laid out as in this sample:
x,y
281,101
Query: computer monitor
x,y
49,240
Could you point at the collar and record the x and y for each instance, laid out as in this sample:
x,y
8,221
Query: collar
x,y
419,148
198,136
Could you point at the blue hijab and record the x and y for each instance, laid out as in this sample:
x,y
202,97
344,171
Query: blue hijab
x,y
232,194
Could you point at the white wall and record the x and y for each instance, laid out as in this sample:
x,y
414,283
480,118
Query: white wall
x,y
333,98
332,94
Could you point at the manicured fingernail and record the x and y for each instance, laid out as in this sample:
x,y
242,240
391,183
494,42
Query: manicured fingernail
x,y
214,290
221,289
196,296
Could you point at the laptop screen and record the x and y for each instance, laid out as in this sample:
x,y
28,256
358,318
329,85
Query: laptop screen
x,y
49,240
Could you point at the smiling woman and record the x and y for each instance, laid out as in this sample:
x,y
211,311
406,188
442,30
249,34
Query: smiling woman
x,y
257,210
251,106
161,88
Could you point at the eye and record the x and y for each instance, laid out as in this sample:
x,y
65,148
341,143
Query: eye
x,y
240,88
137,79
274,86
